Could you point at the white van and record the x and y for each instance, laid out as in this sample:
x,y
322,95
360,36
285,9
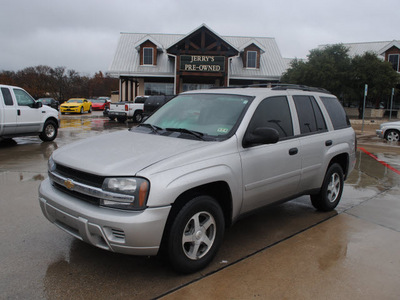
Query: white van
x,y
21,115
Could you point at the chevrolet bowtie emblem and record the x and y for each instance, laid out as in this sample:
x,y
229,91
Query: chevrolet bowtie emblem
x,y
69,184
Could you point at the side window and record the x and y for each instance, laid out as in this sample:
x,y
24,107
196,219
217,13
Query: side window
x,y
23,98
336,113
309,113
273,112
7,96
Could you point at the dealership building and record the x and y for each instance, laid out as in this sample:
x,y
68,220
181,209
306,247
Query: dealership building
x,y
153,64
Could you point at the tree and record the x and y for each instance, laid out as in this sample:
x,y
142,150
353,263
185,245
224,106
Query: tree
x,y
379,75
332,68
327,68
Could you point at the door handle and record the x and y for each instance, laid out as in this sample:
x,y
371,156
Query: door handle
x,y
18,112
293,151
328,143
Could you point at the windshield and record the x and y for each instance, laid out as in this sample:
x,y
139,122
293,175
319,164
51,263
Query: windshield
x,y
97,100
208,115
75,101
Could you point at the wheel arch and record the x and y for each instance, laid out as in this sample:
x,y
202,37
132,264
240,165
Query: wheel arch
x,y
218,190
342,160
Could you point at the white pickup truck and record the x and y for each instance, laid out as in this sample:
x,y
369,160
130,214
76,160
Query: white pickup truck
x,y
125,110
21,115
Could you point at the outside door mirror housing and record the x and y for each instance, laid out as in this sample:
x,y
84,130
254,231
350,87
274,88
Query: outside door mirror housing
x,y
260,136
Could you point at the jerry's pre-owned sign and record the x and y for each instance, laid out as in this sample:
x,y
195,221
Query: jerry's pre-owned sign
x,y
202,63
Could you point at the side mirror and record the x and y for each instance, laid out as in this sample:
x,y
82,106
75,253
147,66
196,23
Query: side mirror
x,y
37,105
260,136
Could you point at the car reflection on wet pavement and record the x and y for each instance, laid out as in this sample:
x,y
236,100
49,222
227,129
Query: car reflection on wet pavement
x,y
291,242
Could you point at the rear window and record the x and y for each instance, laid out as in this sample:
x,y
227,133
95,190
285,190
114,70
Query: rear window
x,y
336,113
7,96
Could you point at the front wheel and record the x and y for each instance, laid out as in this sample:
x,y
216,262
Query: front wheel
x,y
49,132
196,234
392,135
81,112
331,191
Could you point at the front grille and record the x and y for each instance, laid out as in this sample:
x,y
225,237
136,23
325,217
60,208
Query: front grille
x,y
79,176
83,197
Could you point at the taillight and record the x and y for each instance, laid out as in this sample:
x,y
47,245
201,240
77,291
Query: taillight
x,y
126,107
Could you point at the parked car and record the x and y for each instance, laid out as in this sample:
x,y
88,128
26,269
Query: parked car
x,y
153,103
125,110
49,102
195,166
76,105
389,131
21,115
99,104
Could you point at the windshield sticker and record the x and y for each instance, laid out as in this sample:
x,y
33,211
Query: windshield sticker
x,y
222,130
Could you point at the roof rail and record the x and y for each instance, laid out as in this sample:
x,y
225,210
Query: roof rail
x,y
284,86
277,87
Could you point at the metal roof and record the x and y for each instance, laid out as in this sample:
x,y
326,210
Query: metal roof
x,y
361,48
126,60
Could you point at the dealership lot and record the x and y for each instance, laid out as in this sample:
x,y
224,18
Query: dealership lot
x,y
287,251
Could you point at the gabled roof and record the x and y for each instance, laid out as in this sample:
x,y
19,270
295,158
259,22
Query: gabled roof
x,y
388,46
196,30
151,39
251,42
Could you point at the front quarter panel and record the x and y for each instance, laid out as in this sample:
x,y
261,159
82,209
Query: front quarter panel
x,y
168,185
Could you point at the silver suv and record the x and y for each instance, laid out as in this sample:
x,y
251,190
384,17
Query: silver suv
x,y
195,166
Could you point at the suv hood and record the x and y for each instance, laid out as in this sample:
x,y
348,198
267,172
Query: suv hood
x,y
122,153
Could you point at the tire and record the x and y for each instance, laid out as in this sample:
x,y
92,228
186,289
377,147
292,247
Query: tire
x,y
49,132
90,110
331,191
112,118
81,112
121,119
137,117
195,235
392,135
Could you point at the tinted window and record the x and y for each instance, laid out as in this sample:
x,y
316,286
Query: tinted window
x,y
7,96
274,113
336,113
309,113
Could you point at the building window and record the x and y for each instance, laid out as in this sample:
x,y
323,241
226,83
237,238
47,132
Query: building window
x,y
252,59
148,56
155,88
394,60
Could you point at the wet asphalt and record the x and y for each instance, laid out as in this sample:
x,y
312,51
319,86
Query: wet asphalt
x,y
288,251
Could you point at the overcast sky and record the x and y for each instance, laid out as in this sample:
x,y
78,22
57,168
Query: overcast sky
x,y
83,34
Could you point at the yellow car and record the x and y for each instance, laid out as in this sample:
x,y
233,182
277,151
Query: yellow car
x,y
76,105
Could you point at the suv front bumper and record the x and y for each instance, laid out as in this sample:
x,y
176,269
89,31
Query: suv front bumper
x,y
135,233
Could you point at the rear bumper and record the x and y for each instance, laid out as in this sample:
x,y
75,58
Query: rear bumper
x,y
135,233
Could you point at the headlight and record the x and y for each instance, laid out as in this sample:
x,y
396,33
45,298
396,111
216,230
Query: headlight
x,y
137,190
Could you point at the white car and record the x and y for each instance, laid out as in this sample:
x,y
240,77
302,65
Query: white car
x,y
389,131
21,115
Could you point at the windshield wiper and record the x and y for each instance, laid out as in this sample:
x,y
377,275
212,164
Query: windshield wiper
x,y
153,128
197,134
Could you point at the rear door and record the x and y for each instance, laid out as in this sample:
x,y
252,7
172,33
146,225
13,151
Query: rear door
x,y
315,140
8,119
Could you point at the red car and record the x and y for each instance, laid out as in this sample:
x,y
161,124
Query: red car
x,y
99,104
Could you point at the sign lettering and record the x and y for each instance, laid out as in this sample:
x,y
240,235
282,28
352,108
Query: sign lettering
x,y
202,63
